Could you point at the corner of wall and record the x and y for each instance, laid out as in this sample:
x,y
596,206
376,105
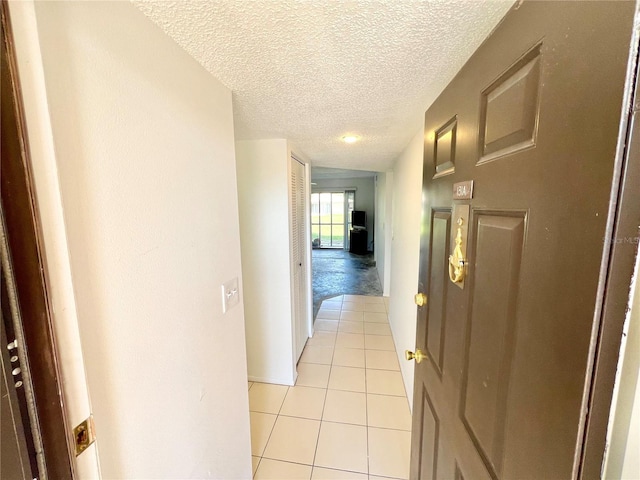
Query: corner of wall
x,y
263,200
388,234
405,251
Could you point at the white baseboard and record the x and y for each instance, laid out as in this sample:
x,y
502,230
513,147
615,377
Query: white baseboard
x,y
277,381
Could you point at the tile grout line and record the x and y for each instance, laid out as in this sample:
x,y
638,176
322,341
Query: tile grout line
x,y
366,414
272,429
257,466
366,407
366,410
315,453
313,466
321,421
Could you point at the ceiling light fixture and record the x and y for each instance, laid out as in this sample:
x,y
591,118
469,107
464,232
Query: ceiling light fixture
x,y
350,138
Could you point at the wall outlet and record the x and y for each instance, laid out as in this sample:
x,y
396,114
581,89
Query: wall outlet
x,y
230,294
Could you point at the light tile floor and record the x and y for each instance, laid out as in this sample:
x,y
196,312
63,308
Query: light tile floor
x,y
347,417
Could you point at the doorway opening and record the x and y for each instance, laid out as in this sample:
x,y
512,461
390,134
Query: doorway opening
x,y
343,263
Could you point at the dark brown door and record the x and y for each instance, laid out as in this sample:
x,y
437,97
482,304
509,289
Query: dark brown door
x,y
533,120
18,452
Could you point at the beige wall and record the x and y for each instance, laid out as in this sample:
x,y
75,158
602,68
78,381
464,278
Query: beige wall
x,y
144,147
379,253
405,252
263,178
383,227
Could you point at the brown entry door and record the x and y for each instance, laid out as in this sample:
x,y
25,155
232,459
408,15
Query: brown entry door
x,y
532,119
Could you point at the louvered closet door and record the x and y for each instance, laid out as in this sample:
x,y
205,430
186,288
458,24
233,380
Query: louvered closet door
x,y
298,205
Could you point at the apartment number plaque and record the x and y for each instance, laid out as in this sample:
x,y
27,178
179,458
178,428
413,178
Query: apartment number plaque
x,y
463,190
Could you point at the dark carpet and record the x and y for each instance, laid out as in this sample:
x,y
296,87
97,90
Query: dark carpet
x,y
338,272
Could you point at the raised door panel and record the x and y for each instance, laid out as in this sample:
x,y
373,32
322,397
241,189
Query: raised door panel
x,y
438,276
498,246
444,148
429,439
509,109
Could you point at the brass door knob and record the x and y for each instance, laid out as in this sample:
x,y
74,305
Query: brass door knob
x,y
418,356
420,299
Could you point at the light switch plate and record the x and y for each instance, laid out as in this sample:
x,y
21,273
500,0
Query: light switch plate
x,y
230,294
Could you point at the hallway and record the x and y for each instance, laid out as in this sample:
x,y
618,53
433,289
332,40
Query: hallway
x,y
337,271
347,417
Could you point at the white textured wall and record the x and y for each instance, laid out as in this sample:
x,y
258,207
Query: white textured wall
x,y
379,253
405,252
145,154
383,228
365,197
388,234
263,178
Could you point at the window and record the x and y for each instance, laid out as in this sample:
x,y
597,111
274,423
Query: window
x,y
331,218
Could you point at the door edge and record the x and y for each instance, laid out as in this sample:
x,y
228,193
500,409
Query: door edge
x,y
618,262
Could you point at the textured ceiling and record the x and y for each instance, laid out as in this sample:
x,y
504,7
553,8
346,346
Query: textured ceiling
x,y
312,71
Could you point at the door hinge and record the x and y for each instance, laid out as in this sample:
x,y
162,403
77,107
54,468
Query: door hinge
x,y
84,435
